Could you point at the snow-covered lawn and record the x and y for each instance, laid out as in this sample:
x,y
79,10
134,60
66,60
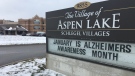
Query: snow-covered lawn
x,y
16,40
34,67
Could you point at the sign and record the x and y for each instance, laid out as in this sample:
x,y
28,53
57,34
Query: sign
x,y
118,54
102,32
105,21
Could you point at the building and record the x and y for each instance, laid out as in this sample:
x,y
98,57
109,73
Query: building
x,y
1,21
12,29
7,22
35,24
8,27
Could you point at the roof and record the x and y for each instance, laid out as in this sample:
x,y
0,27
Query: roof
x,y
12,27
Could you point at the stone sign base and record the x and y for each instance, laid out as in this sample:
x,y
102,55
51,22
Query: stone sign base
x,y
74,67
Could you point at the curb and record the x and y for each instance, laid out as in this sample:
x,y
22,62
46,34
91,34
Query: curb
x,y
22,44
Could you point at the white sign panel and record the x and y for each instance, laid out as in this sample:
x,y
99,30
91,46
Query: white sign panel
x,y
112,53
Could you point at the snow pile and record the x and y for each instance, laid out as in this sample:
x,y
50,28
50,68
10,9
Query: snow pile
x,y
16,40
35,67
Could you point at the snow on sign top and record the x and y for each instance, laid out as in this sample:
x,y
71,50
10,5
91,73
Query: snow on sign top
x,y
82,5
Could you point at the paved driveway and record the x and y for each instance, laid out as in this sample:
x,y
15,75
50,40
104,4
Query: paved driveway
x,y
9,54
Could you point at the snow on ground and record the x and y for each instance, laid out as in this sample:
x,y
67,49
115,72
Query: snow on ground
x,y
34,67
16,40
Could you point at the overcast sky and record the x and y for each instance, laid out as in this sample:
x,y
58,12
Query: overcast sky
x,y
15,9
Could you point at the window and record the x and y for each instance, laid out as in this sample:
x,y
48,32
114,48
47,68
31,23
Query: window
x,y
36,27
36,21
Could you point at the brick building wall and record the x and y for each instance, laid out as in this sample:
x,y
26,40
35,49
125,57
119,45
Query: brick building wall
x,y
1,21
35,24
